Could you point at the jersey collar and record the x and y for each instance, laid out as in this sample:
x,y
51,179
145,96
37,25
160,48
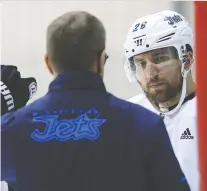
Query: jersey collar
x,y
77,79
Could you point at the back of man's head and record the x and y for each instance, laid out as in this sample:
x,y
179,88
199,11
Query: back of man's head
x,y
75,41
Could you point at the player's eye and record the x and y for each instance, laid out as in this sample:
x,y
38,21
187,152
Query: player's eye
x,y
160,59
141,64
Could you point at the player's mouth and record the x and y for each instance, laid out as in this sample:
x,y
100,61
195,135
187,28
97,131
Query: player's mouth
x,y
156,85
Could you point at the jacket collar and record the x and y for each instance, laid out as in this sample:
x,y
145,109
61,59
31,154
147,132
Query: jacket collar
x,y
77,79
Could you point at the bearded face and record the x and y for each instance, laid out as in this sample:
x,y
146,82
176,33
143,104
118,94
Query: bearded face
x,y
159,73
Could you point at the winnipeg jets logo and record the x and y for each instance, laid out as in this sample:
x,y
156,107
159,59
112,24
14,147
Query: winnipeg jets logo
x,y
174,19
62,130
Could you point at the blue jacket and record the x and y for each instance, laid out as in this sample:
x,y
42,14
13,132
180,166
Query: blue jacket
x,y
79,137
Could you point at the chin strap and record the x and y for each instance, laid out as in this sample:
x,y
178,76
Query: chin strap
x,y
183,94
184,73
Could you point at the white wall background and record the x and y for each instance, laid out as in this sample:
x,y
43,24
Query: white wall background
x,y
23,36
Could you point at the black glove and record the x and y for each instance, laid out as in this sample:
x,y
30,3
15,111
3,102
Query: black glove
x,y
15,91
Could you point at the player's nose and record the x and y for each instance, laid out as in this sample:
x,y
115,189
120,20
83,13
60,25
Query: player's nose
x,y
151,70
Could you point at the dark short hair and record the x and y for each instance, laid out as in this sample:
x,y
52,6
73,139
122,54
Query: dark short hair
x,y
75,40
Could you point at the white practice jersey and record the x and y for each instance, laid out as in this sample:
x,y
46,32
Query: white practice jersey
x,y
182,131
4,186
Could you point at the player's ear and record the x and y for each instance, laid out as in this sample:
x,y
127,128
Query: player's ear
x,y
103,58
101,63
189,60
46,58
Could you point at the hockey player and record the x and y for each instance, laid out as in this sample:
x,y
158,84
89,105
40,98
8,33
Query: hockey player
x,y
80,137
159,56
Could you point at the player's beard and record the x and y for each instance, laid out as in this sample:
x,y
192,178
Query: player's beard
x,y
164,94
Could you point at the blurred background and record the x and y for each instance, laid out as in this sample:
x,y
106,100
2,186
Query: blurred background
x,y
24,26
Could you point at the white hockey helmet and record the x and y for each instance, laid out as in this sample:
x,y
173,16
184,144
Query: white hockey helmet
x,y
164,29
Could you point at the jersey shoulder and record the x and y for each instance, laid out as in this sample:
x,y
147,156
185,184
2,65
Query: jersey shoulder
x,y
142,100
133,111
137,99
192,103
190,108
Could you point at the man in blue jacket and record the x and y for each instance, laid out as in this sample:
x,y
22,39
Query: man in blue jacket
x,y
78,136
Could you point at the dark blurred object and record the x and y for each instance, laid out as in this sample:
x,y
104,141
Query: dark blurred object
x,y
15,91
